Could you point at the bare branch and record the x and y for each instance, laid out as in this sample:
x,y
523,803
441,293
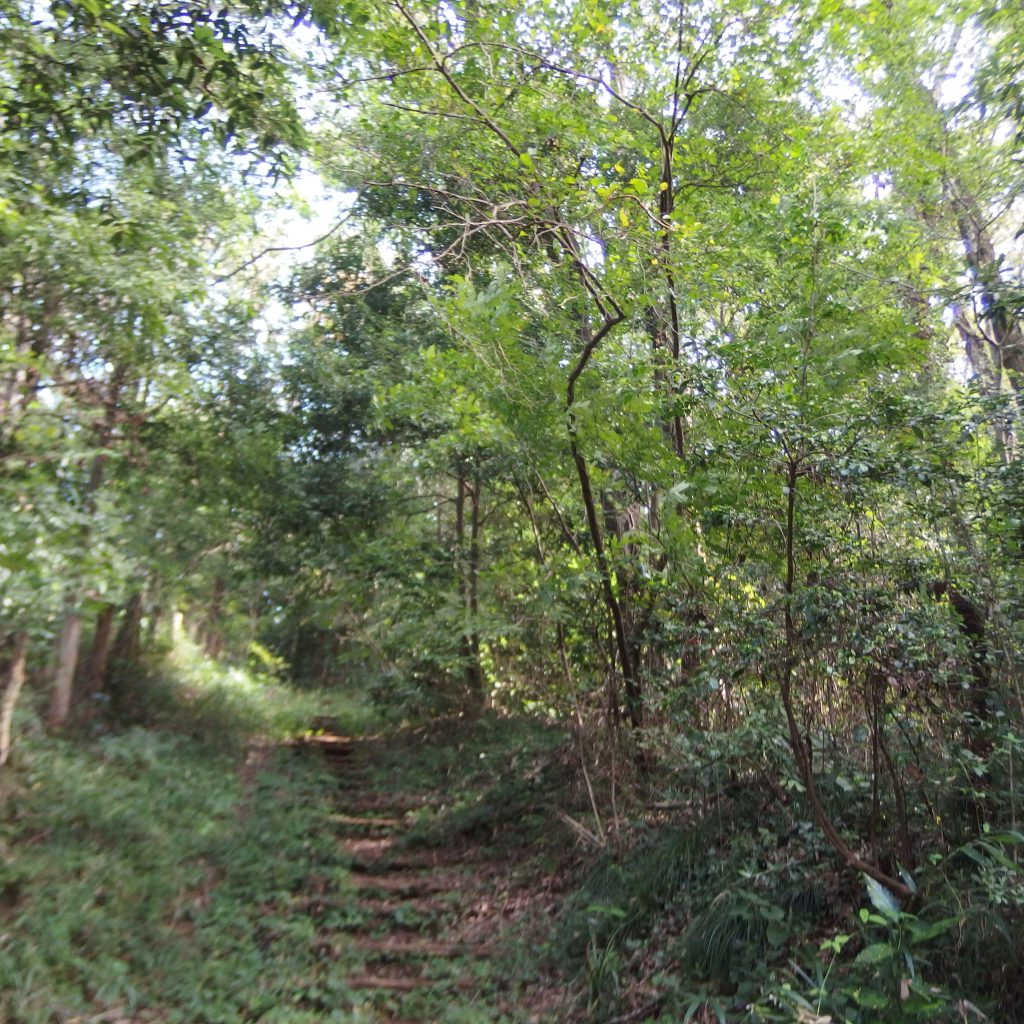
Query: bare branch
x,y
289,248
442,67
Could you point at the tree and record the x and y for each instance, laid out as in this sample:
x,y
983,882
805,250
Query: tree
x,y
685,275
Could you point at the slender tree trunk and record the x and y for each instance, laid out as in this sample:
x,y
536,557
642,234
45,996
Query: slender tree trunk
x,y
666,206
68,643
15,681
213,644
95,672
972,627
127,643
461,490
631,683
467,563
69,638
460,521
153,625
801,754
563,657
988,372
32,342
634,703
1001,330
474,670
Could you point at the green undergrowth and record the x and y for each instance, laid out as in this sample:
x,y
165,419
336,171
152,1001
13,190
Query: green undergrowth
x,y
229,704
160,869
495,787
694,910
183,866
720,920
494,779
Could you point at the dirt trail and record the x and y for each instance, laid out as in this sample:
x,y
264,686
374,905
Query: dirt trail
x,y
433,940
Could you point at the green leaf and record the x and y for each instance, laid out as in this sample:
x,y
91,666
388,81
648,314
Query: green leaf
x,y
1007,838
876,953
881,899
871,999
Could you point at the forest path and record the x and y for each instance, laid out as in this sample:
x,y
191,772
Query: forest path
x,y
440,911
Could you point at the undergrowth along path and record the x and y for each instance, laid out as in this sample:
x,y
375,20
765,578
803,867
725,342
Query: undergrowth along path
x,y
444,890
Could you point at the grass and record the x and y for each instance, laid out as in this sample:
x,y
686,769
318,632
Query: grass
x,y
498,777
156,870
171,859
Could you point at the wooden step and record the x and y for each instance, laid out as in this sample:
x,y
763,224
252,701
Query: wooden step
x,y
405,944
367,848
404,983
405,884
393,802
365,821
390,982
425,906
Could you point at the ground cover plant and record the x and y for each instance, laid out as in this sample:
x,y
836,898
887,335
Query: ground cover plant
x,y
149,869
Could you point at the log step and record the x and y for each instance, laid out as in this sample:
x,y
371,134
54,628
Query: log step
x,y
416,946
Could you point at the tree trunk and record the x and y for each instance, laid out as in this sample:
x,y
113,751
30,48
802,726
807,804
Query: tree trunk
x,y
631,682
630,678
213,644
972,627
67,661
32,342
69,639
801,754
1000,329
474,670
467,561
618,523
95,673
15,681
156,615
127,646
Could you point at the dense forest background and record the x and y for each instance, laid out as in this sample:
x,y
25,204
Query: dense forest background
x,y
656,372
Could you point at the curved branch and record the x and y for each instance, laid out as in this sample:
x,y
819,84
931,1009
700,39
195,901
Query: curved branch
x,y
288,248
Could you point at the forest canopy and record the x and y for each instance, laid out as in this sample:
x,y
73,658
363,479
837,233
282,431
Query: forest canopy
x,y
653,368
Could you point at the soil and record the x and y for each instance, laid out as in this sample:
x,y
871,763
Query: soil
x,y
443,930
